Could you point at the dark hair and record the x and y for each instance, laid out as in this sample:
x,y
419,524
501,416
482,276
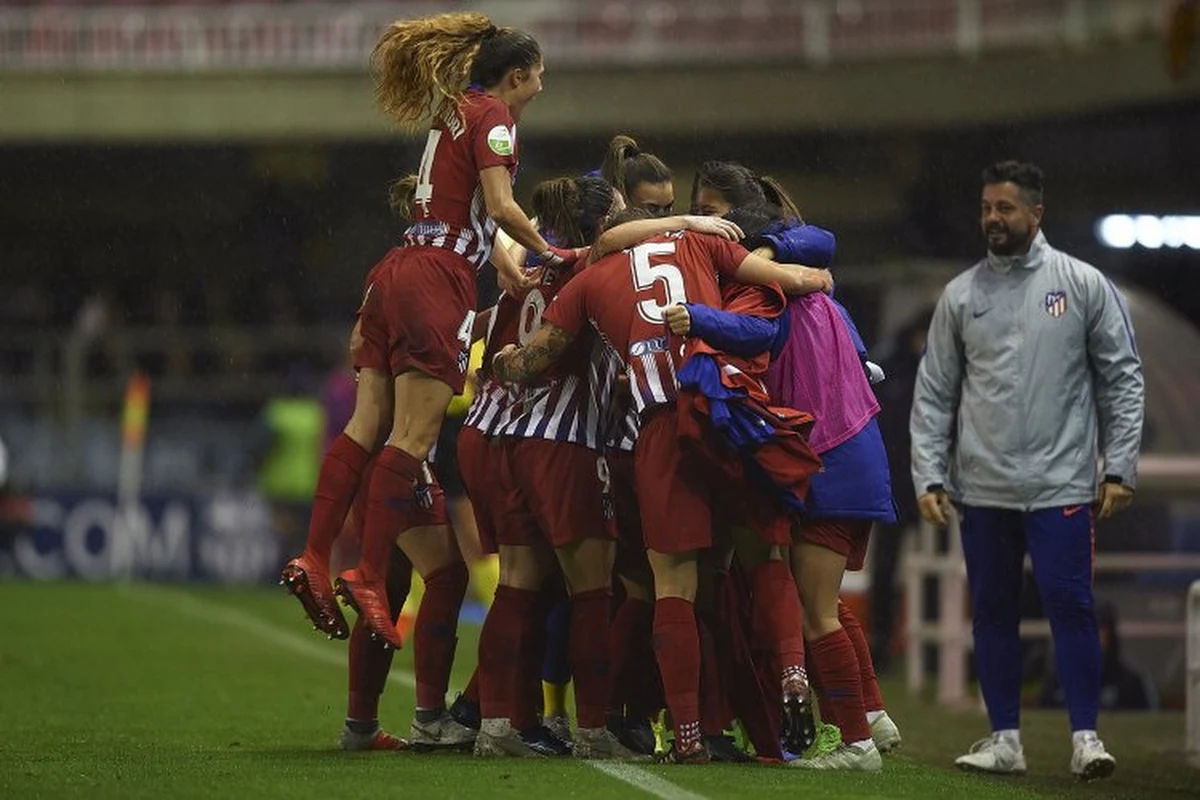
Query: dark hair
x,y
754,220
422,66
573,209
502,50
1028,177
625,166
741,186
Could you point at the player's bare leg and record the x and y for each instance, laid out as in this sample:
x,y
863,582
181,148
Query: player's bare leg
x,y
307,576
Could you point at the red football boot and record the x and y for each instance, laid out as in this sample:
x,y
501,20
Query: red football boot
x,y
369,599
308,581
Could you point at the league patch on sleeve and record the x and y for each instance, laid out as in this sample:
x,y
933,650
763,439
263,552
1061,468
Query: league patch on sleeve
x,y
500,141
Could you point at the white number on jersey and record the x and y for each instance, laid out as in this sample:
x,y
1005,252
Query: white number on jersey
x,y
464,336
424,192
531,316
645,275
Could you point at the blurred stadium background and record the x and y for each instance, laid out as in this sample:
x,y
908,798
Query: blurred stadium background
x,y
193,191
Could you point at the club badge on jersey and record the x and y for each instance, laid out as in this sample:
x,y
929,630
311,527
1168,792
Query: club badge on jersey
x,y
1056,303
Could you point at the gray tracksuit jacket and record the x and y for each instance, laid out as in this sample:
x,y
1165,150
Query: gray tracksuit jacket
x,y
1030,373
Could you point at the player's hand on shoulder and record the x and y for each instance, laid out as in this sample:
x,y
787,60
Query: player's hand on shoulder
x,y
679,319
716,226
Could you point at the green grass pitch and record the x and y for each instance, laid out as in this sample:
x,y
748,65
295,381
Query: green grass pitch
x,y
170,692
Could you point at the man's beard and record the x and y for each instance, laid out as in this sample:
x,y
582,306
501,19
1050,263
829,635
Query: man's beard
x,y
1012,243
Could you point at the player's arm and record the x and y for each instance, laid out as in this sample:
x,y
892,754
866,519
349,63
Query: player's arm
x,y
504,209
802,244
737,334
637,231
512,278
518,364
792,278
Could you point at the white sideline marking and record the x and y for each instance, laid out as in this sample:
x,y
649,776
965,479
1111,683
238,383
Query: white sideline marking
x,y
646,781
208,611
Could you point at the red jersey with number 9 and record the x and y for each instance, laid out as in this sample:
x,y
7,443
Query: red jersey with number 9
x,y
449,210
625,294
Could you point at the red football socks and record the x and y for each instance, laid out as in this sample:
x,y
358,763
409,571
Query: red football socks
x,y
872,697
839,690
777,620
337,483
677,648
590,655
501,642
435,633
393,481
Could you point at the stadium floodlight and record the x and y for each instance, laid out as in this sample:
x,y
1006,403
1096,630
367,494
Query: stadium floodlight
x,y
1124,231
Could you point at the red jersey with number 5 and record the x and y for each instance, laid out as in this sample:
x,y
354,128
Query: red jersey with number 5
x,y
625,294
449,210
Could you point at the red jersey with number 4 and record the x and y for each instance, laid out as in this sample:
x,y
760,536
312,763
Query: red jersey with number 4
x,y
625,294
449,211
559,405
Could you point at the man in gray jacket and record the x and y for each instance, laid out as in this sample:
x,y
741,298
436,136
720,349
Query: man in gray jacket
x,y
1030,378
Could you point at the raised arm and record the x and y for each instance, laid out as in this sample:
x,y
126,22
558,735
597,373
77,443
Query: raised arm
x,y
630,233
498,198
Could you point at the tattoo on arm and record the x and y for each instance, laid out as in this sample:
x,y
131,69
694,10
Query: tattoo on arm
x,y
541,351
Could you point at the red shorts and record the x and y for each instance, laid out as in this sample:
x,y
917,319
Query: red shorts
x,y
417,314
479,465
672,497
566,488
742,504
846,537
631,545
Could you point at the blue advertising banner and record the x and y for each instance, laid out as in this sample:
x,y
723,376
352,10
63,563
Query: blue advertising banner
x,y
225,537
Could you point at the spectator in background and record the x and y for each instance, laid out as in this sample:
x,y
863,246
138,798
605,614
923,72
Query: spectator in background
x,y
895,405
289,447
1030,374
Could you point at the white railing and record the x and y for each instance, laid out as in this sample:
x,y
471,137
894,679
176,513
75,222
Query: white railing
x,y
181,38
939,555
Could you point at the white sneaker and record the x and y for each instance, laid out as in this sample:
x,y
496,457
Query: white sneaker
x,y
885,733
1091,761
855,757
442,732
996,754
498,739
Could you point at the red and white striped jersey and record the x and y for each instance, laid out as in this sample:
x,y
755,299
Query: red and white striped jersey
x,y
611,389
449,211
624,296
559,405
491,406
